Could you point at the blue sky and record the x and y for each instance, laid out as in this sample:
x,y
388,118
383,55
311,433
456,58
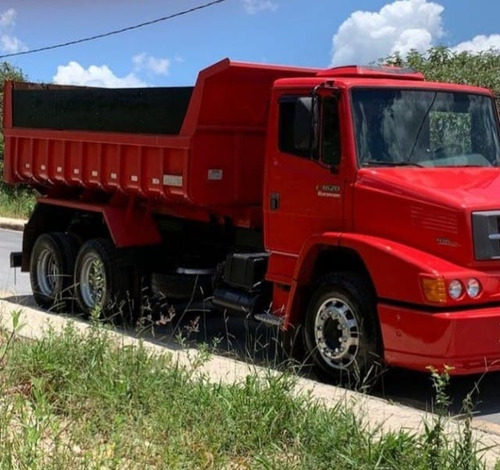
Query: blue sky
x,y
315,33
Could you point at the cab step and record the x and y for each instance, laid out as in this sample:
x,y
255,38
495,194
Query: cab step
x,y
269,319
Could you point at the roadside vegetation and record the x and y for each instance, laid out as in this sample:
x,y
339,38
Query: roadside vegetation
x,y
76,400
15,201
442,64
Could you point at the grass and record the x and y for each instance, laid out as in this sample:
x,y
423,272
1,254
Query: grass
x,y
76,400
16,201
17,205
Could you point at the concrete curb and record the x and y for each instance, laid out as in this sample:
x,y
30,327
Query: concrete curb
x,y
378,414
12,224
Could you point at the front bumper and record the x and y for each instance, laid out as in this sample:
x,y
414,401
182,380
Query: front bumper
x,y
467,341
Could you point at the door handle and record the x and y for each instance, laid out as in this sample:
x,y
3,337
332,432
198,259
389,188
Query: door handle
x,y
274,202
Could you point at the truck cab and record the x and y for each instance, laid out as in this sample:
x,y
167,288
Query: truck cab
x,y
382,190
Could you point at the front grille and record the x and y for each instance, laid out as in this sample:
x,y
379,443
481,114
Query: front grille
x,y
486,232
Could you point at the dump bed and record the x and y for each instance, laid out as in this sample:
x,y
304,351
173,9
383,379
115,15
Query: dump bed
x,y
201,146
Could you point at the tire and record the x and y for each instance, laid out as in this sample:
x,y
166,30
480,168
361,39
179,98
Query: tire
x,y
51,270
341,331
104,283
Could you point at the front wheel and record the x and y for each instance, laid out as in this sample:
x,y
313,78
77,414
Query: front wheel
x,y
341,333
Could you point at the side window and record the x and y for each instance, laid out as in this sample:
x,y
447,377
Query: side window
x,y
329,148
288,126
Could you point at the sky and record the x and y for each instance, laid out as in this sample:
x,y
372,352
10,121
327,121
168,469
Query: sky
x,y
315,33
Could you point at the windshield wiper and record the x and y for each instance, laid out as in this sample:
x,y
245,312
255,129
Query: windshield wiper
x,y
462,166
421,126
371,162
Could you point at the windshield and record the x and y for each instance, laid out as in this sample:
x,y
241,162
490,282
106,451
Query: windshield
x,y
424,128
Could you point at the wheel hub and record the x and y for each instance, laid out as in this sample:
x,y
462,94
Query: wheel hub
x,y
47,273
336,333
93,281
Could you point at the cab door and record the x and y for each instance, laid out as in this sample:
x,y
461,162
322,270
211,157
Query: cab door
x,y
305,188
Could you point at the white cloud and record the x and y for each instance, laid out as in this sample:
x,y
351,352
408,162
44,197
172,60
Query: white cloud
x,y
9,43
479,44
255,6
400,26
95,75
151,64
7,18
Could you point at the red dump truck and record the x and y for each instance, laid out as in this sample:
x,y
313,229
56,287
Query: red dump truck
x,y
361,204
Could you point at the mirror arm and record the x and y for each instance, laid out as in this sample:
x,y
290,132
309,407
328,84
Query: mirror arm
x,y
315,118
314,137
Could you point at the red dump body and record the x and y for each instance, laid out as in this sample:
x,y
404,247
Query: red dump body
x,y
215,161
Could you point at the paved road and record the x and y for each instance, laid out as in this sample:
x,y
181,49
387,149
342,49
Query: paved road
x,y
12,281
245,340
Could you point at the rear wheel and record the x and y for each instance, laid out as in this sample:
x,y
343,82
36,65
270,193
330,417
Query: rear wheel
x,y
104,282
341,333
51,270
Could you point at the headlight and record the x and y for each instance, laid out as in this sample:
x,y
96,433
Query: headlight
x,y
455,289
473,288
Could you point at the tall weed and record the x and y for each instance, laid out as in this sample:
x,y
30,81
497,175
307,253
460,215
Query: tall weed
x,y
77,400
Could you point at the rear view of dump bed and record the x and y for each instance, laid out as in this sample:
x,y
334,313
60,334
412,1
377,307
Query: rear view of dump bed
x,y
200,147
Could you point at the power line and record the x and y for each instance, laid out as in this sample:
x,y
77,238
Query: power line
x,y
112,33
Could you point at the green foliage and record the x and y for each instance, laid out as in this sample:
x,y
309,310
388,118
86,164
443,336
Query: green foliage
x,y
7,72
15,201
75,400
435,432
442,64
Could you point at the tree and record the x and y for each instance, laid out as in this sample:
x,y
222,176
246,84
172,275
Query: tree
x,y
16,200
7,72
442,64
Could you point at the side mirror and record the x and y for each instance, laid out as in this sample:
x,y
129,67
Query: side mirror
x,y
305,127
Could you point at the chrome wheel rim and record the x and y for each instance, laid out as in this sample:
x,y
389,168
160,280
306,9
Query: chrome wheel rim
x,y
93,284
47,273
336,333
